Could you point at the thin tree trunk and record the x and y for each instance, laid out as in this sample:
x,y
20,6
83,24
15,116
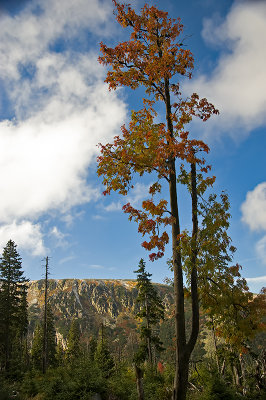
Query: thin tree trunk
x,y
194,273
148,329
139,382
215,347
44,355
223,367
181,356
243,374
8,319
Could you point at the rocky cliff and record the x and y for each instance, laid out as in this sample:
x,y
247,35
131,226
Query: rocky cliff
x,y
90,301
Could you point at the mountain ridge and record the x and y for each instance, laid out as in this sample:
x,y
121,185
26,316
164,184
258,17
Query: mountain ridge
x,y
90,301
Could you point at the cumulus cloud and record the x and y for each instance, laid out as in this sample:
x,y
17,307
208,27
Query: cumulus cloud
x,y
261,249
60,237
257,283
254,215
26,235
57,109
254,208
258,279
236,84
135,196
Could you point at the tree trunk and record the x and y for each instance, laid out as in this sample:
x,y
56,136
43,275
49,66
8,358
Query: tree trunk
x,y
148,329
243,374
139,376
215,347
194,272
45,350
183,350
181,371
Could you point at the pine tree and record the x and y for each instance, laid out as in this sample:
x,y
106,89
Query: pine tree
x,y
92,348
36,349
13,303
37,343
103,357
51,338
60,353
151,311
73,351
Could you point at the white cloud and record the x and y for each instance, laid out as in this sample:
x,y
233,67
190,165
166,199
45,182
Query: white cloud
x,y
66,259
60,237
236,86
254,215
258,279
96,266
135,196
261,249
254,208
61,107
114,206
138,193
26,235
256,283
44,164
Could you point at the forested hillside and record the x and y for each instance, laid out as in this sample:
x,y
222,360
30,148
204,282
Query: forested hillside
x,y
93,303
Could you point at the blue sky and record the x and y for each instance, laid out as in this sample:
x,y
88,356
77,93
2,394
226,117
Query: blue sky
x,y
55,108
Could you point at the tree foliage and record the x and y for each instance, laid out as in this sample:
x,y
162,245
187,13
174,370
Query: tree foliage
x,y
13,303
154,57
73,351
103,357
37,343
151,311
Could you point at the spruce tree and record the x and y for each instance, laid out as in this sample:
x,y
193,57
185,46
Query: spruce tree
x,y
51,338
36,349
151,310
13,303
103,357
37,343
73,351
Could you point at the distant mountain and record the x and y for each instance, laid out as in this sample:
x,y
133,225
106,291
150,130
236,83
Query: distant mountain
x,y
92,302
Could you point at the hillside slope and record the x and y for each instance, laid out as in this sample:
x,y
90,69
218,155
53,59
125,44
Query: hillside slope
x,y
92,302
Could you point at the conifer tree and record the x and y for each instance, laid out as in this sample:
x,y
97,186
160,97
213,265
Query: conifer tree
x,y
13,303
151,311
73,351
103,357
60,353
51,338
92,348
36,349
37,343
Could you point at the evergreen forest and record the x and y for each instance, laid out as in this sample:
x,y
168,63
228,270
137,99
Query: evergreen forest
x,y
133,360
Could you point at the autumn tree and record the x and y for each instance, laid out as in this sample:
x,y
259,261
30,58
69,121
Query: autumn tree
x,y
155,58
13,303
151,311
234,314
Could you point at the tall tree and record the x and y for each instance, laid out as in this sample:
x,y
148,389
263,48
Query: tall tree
x,y
103,357
154,57
151,311
45,320
234,313
73,350
37,346
13,302
37,343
